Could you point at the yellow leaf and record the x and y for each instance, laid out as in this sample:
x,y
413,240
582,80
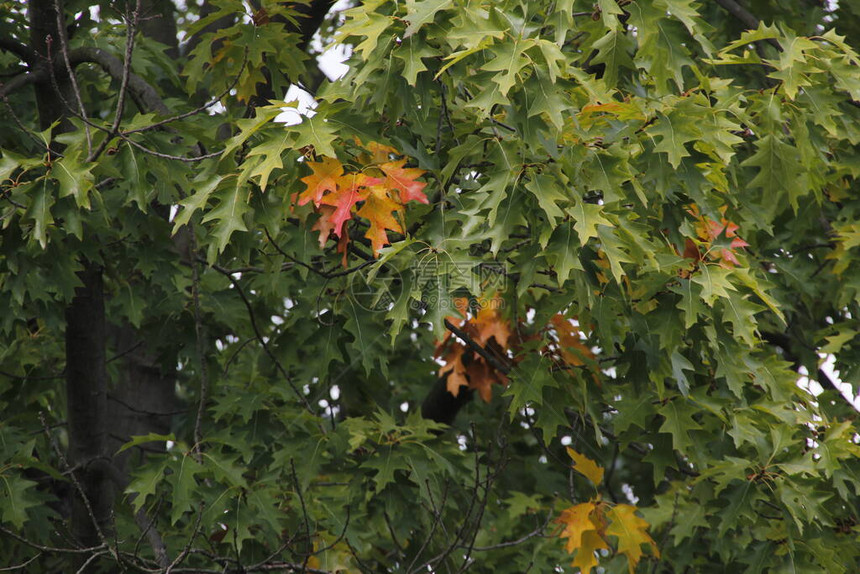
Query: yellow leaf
x,y
632,533
585,466
585,558
583,525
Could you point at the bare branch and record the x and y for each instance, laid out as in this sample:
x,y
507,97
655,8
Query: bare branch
x,y
305,518
64,50
145,96
536,532
51,549
200,336
130,29
21,50
187,549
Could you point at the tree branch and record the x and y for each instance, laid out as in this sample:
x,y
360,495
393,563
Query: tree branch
x,y
21,50
463,336
745,17
144,95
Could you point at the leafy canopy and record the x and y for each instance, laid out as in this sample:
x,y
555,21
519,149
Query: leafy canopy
x,y
630,226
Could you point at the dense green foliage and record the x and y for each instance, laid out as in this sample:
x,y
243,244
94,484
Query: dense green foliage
x,y
678,179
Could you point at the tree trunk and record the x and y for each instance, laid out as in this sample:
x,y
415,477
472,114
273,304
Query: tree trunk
x,y
86,397
86,377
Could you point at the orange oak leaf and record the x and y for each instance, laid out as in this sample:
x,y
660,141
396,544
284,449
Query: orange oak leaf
x,y
403,179
490,324
379,210
376,192
380,153
454,365
466,367
584,526
577,521
632,533
324,224
482,377
727,255
571,348
323,179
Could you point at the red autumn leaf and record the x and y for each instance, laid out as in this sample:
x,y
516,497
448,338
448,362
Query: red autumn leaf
x,y
403,179
343,246
336,194
709,232
715,230
324,178
344,198
691,251
379,210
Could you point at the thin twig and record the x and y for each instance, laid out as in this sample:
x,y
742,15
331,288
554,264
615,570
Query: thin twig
x,y
391,531
262,339
130,29
323,274
31,377
666,534
144,411
30,133
200,341
87,562
148,531
197,110
304,514
181,158
64,49
78,486
20,566
187,549
437,519
51,549
536,532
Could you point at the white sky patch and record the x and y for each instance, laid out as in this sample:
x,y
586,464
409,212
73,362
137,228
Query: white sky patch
x,y
304,106
216,109
814,388
331,62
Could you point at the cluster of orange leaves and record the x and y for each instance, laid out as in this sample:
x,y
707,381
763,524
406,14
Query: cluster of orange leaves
x,y
588,526
709,231
489,329
376,192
